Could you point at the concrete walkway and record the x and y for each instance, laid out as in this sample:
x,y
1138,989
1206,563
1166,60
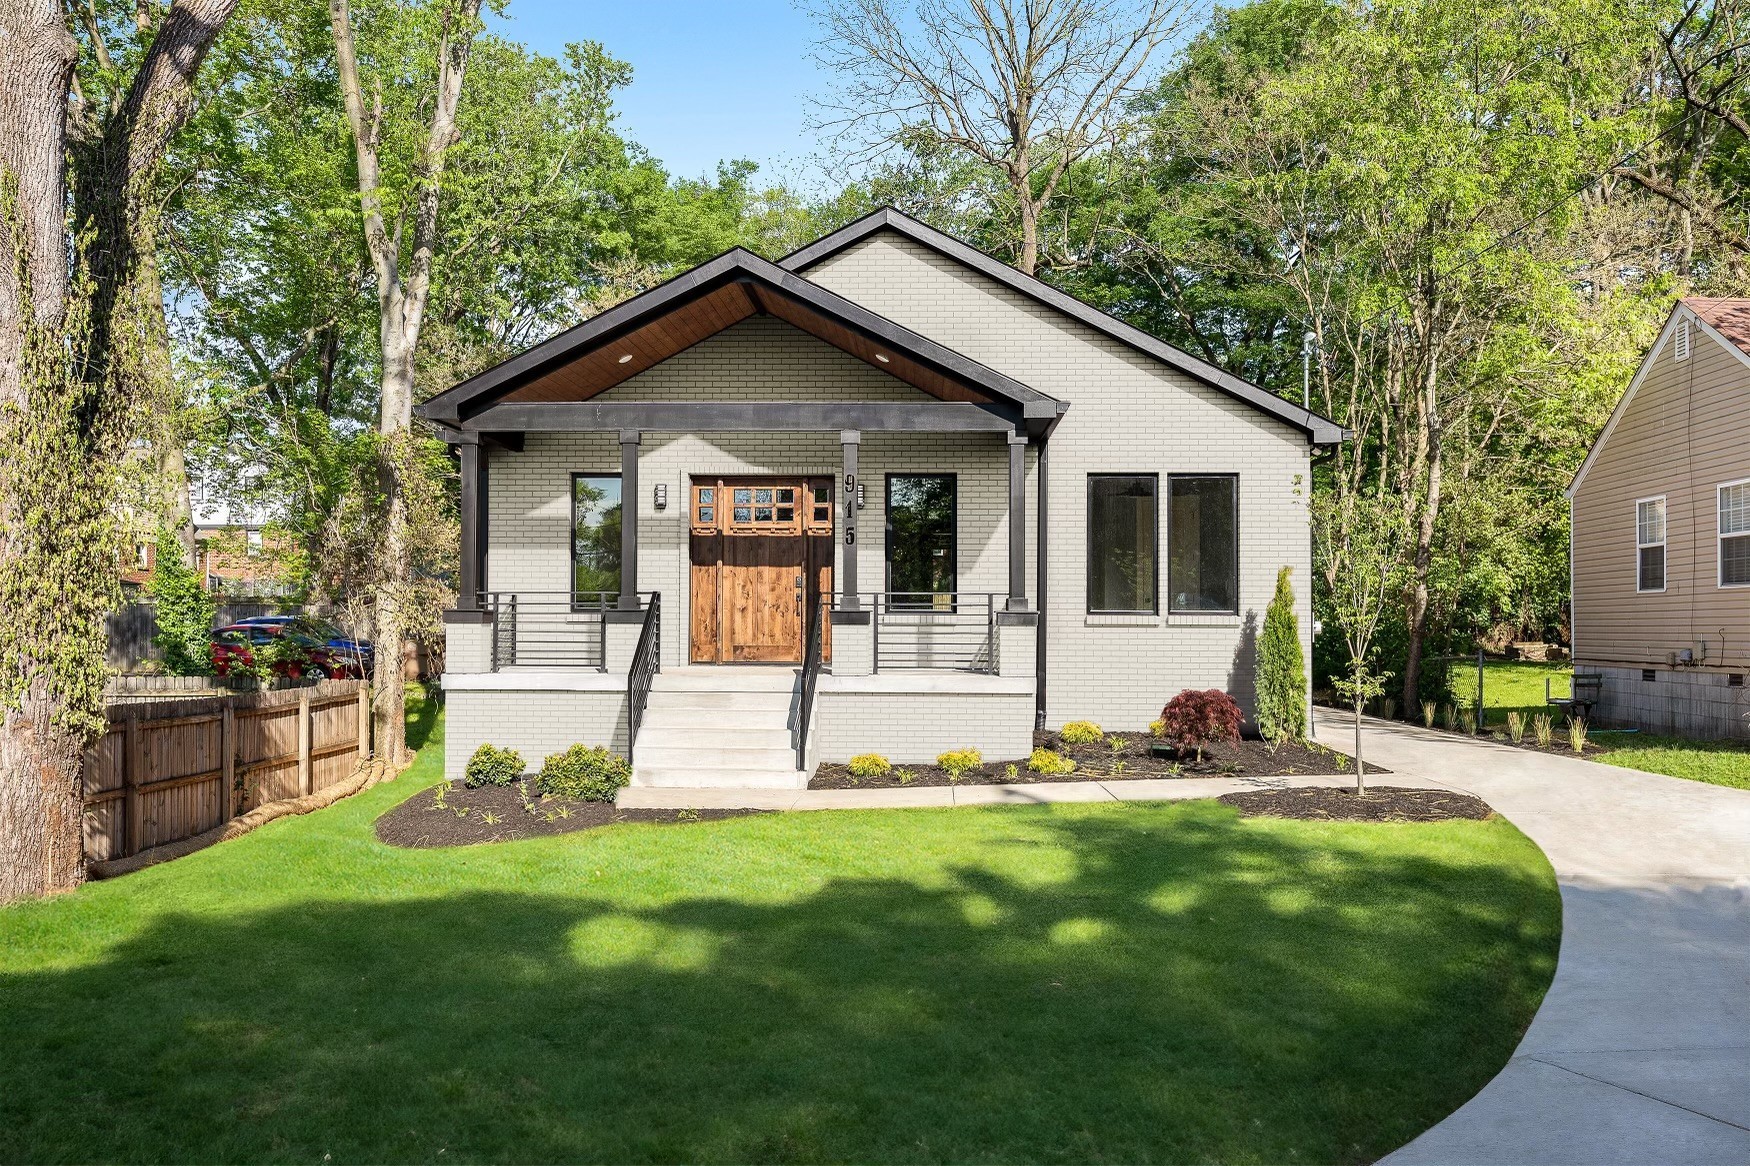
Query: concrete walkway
x,y
1641,1052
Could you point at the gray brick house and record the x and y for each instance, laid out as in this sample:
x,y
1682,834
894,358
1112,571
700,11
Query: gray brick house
x,y
887,494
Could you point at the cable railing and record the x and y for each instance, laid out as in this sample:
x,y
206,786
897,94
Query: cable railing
x,y
550,629
933,630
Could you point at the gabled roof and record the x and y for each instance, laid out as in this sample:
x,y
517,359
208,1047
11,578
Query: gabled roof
x,y
1724,321
1319,430
587,360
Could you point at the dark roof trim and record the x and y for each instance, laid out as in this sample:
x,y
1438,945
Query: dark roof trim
x,y
480,391
1319,430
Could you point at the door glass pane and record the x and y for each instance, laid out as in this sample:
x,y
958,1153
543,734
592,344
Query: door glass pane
x,y
595,533
744,514
742,496
1203,544
762,495
786,514
762,513
707,514
1122,522
920,536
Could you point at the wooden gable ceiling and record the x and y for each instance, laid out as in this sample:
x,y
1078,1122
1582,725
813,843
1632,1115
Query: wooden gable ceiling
x,y
596,370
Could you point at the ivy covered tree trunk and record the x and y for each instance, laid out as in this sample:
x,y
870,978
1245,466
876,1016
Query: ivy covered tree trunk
x,y
40,756
66,416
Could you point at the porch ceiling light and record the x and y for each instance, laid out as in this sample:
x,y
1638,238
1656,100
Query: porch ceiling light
x,y
626,359
882,357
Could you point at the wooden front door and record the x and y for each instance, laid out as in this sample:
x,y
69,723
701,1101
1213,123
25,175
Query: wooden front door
x,y
761,558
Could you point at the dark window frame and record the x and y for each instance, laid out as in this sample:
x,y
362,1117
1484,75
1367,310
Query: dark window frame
x,y
953,481
1171,590
1088,552
571,533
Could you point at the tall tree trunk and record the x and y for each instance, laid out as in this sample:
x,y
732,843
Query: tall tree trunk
x,y
1422,560
1029,258
41,787
63,410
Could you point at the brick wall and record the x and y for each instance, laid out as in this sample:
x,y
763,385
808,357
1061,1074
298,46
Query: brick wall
x,y
534,723
911,728
1129,414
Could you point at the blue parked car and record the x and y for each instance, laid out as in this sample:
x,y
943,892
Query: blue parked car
x,y
320,630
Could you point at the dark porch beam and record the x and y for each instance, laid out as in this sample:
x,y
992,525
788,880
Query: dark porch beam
x,y
629,439
751,416
1017,522
468,589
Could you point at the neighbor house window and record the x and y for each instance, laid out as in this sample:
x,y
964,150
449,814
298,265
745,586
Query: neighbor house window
x,y
595,535
1203,543
1123,516
920,539
1650,544
1735,534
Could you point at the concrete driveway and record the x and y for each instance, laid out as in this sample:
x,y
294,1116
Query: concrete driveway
x,y
1641,1051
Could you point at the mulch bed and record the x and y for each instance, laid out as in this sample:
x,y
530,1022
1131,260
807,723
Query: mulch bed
x,y
1386,803
1101,762
454,815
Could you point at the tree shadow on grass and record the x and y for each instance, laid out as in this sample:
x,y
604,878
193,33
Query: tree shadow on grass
x,y
1156,989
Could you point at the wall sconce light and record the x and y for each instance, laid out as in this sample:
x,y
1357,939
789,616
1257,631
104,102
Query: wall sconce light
x,y
662,495
859,495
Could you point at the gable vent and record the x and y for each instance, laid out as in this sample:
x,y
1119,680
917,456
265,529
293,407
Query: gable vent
x,y
1681,347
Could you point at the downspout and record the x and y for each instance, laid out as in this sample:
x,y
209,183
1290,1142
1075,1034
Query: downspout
x,y
1040,558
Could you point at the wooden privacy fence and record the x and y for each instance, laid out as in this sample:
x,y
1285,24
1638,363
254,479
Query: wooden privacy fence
x,y
167,770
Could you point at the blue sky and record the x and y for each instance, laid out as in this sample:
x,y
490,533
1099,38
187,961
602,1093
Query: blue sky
x,y
711,81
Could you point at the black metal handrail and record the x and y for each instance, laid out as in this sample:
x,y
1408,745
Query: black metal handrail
x,y
811,656
646,663
948,630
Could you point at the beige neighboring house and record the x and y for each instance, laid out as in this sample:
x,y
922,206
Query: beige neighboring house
x,y
1661,534
887,495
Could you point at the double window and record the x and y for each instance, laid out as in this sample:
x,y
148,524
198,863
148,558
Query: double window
x,y
1734,534
1650,544
921,520
595,536
1203,569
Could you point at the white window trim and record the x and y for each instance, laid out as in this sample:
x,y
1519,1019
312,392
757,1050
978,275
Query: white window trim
x,y
1720,538
1663,543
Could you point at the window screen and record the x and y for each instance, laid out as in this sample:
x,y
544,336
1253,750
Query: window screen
x,y
1735,535
1203,572
1122,521
595,535
920,539
1650,544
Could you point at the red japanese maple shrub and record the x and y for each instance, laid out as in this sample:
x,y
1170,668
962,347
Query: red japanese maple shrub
x,y
1196,718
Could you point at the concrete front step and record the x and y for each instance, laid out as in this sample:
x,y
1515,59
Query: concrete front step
x,y
708,757
725,678
715,777
754,701
735,735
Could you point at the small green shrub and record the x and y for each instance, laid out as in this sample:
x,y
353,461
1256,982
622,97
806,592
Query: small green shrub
x,y
491,765
1157,728
1577,734
867,765
1427,714
906,776
1467,722
960,762
1082,733
1011,771
1515,726
1051,764
590,773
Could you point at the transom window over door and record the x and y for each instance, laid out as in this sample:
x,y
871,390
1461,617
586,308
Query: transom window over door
x,y
1203,543
921,519
1123,516
1650,544
595,535
1735,534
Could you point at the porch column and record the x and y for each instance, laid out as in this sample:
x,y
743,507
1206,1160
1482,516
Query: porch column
x,y
851,441
629,439
1017,522
468,589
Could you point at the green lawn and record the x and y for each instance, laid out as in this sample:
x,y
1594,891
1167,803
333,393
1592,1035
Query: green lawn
x,y
1715,762
1051,983
1510,685
1518,684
